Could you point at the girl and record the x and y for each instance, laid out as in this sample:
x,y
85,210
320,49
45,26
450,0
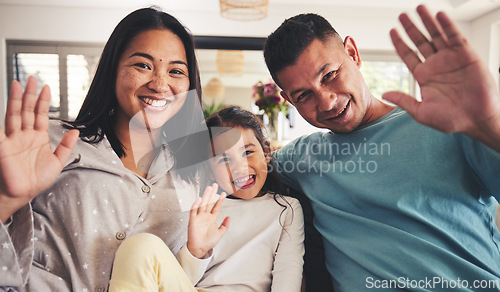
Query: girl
x,y
262,250
60,230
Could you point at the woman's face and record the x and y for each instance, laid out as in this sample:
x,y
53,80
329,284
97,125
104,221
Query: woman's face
x,y
152,80
240,169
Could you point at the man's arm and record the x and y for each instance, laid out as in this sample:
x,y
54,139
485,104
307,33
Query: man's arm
x,y
458,91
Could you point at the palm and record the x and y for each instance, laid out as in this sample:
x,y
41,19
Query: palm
x,y
203,233
27,163
457,89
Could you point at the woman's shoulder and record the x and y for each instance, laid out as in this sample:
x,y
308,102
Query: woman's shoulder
x,y
85,153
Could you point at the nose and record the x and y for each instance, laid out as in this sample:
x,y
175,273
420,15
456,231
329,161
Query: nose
x,y
326,100
159,82
239,167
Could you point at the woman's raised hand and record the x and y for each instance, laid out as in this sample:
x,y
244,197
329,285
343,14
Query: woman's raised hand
x,y
203,233
27,163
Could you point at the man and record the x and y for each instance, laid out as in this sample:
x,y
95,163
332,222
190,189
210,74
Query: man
x,y
399,205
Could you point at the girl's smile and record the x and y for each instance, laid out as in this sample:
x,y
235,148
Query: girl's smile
x,y
241,170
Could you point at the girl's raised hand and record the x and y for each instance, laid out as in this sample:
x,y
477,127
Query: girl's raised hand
x,y
27,163
203,233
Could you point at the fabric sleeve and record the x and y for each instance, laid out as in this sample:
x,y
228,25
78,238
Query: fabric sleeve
x,y
16,252
288,261
282,162
486,165
193,266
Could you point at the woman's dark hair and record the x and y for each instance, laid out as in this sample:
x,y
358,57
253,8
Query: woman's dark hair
x,y
284,46
95,119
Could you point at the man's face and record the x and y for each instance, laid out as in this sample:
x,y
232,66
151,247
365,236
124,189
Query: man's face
x,y
326,86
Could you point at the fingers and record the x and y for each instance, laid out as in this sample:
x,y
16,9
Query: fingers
x,y
29,103
455,37
439,41
404,101
407,55
65,147
207,203
218,204
14,105
24,110
441,29
421,42
208,198
42,110
224,225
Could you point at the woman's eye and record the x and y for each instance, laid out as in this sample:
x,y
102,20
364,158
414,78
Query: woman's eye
x,y
177,72
142,65
248,152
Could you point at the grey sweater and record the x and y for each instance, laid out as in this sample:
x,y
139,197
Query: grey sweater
x,y
65,240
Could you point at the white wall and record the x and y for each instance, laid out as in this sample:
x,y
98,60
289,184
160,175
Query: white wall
x,y
79,24
95,25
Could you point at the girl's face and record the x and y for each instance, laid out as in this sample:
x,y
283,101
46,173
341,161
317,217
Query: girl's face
x,y
241,170
152,79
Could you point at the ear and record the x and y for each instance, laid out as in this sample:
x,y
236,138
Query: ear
x,y
286,97
267,152
268,158
352,50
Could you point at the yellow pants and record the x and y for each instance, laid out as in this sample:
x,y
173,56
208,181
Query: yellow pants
x,y
143,262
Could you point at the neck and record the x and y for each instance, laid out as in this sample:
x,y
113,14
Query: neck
x,y
140,145
376,110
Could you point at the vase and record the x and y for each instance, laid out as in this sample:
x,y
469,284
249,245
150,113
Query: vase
x,y
275,125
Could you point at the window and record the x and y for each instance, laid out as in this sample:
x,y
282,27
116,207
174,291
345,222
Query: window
x,y
384,71
67,68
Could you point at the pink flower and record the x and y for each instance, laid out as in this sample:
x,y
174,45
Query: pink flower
x,y
276,99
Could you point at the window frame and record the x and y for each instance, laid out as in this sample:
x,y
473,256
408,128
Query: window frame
x,y
62,49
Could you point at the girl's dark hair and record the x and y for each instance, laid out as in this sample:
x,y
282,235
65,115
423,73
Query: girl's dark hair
x,y
284,46
95,119
233,116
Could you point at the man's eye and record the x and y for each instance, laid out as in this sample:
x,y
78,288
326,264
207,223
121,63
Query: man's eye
x,y
302,97
328,75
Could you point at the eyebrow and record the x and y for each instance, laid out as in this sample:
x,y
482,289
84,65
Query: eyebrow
x,y
242,147
147,56
320,71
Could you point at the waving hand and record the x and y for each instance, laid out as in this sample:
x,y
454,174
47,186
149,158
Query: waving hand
x,y
458,91
27,163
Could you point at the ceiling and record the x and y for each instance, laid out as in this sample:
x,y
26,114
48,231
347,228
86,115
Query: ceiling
x,y
461,10
203,18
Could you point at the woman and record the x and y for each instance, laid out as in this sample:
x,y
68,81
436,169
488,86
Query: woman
x,y
119,178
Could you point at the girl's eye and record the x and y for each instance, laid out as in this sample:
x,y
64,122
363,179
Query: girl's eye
x,y
247,152
142,66
223,160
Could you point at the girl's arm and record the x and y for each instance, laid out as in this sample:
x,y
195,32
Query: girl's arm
x,y
203,233
288,261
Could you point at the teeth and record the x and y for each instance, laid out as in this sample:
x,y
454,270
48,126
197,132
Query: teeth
x,y
341,111
155,102
242,180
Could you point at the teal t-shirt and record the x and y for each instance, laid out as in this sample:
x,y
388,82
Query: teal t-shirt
x,y
400,206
